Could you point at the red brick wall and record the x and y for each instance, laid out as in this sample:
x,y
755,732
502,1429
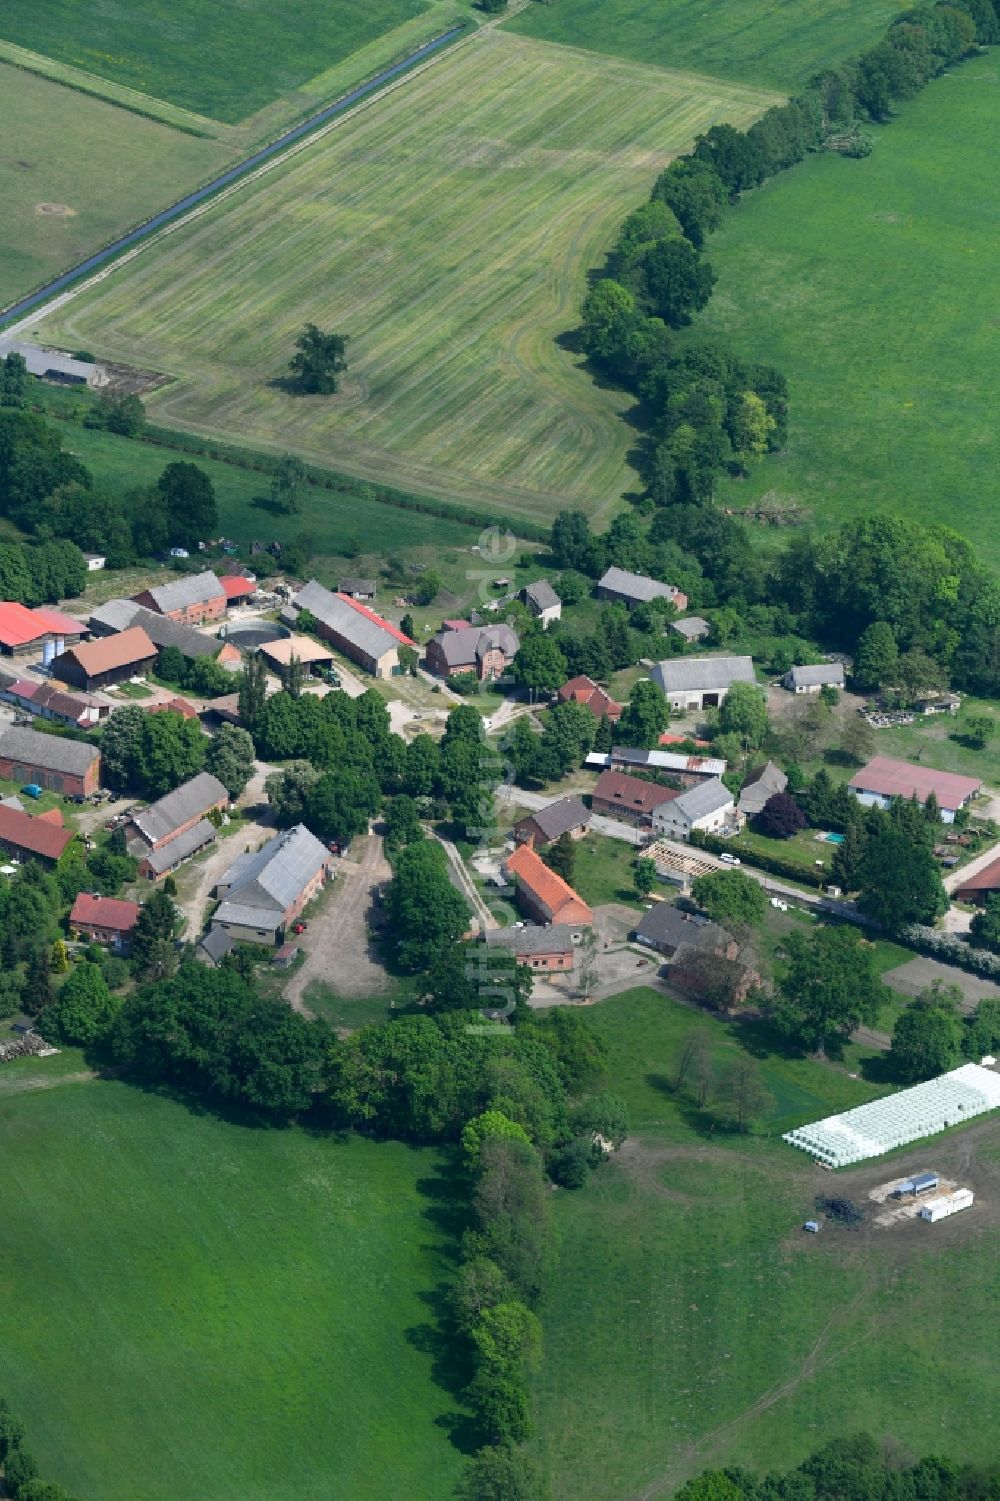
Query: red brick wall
x,y
17,771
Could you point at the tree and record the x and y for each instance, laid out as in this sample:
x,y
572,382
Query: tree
x,y
744,713
978,730
37,991
170,751
189,496
539,664
643,876
607,314
83,1011
830,988
253,691
984,931
288,483
695,193
898,880
492,7
402,821
753,427
671,280
730,897
876,659
781,817
741,1095
120,738
560,856
927,1037
340,803
407,626
426,911
645,718
320,360
492,1124
125,415
502,1472
156,926
230,757
857,740
288,791
58,960
428,587
603,1114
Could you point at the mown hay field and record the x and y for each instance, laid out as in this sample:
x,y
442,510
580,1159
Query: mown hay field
x,y
774,43
190,1307
448,230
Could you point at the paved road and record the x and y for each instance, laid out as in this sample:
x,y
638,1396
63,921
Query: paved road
x,y
612,828
338,948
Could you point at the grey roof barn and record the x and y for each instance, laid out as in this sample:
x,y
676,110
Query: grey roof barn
x,y
702,674
760,788
160,819
53,752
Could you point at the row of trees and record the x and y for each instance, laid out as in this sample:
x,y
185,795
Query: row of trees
x,y
151,754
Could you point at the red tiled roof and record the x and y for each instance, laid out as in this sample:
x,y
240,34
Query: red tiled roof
x,y
632,792
236,586
108,652
24,688
38,836
583,690
549,890
19,625
175,706
987,879
890,778
103,912
386,625
667,739
53,816
58,623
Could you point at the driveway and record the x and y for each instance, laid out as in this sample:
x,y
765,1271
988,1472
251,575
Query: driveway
x,y
918,974
339,950
464,881
193,900
956,878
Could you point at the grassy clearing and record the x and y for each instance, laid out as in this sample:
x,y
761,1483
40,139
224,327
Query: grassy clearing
x,y
104,169
870,285
193,54
691,1323
603,871
449,232
774,43
191,1307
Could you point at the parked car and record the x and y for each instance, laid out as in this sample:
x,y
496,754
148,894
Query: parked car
x,y
728,859
32,789
179,552
299,927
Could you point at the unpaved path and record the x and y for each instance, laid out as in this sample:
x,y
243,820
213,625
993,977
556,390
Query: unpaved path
x,y
337,944
466,884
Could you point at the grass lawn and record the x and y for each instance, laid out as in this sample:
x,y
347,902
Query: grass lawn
x,y
196,54
692,1324
341,1012
603,871
449,233
775,43
76,172
194,1308
869,283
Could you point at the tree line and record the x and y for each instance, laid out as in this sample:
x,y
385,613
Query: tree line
x,y
19,1466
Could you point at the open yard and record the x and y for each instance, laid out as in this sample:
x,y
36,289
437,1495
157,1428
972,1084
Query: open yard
x,y
448,231
195,1308
870,284
774,43
691,1323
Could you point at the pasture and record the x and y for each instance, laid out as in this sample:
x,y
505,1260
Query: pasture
x,y
197,55
195,1308
691,1322
870,284
448,231
75,171
774,43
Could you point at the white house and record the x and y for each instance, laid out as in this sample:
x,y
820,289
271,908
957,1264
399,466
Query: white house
x,y
812,679
543,602
693,683
709,807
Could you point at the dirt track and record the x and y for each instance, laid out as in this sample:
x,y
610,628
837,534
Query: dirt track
x,y
337,943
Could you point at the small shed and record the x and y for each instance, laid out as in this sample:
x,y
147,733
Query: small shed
x,y
286,956
920,1183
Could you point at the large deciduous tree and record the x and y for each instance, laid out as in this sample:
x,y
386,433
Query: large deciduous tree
x,y
830,988
731,897
898,880
319,361
927,1037
427,912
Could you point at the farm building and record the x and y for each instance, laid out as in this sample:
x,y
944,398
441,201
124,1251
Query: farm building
x,y
95,561
486,650
693,683
688,769
104,919
977,888
43,838
920,1183
692,628
50,761
632,589
883,778
177,825
46,701
312,654
550,949
910,1115
542,601
365,589
192,598
264,891
812,679
162,630
583,690
174,706
937,703
350,627
50,365
108,660
567,815
760,787
42,633
543,895
709,807
236,588
629,798
665,928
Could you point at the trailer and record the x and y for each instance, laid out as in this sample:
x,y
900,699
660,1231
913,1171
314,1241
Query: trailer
x,y
947,1205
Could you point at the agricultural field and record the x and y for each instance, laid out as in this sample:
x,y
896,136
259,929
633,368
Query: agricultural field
x,y
773,43
192,54
869,283
449,233
75,171
693,1324
192,1307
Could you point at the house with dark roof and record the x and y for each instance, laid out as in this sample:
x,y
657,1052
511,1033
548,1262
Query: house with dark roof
x,y
568,815
690,684
264,891
103,919
352,628
543,895
357,588
884,778
190,597
583,690
666,927
42,838
44,632
542,601
551,949
629,798
760,786
107,660
486,650
50,761
176,826
812,679
709,806
632,589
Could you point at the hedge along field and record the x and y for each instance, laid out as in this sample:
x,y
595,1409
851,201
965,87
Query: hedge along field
x,y
75,171
194,1308
448,230
872,285
196,53
774,43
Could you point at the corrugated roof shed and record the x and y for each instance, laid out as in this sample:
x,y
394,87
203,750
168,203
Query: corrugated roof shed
x,y
19,625
115,615
702,674
559,817
368,632
703,800
51,752
168,855
41,362
819,675
557,938
542,595
235,586
635,585
190,799
666,925
692,627
274,877
890,778
189,589
760,787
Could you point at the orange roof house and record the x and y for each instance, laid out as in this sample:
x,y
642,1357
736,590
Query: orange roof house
x,y
43,838
545,895
583,690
